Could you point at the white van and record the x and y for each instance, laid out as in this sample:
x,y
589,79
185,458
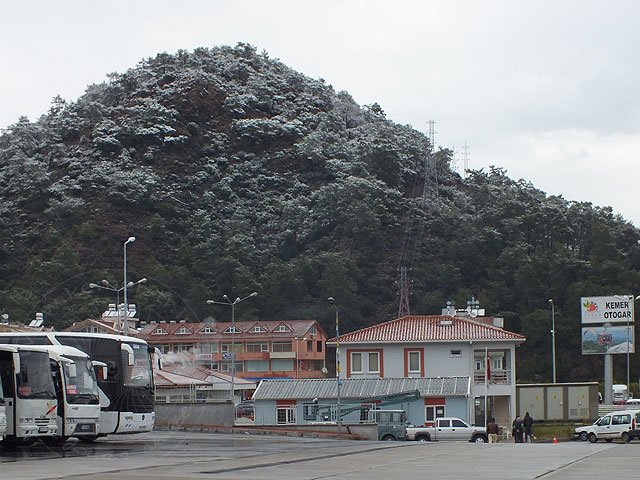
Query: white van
x,y
621,424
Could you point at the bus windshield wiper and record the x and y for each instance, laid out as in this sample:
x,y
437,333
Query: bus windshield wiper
x,y
43,394
83,398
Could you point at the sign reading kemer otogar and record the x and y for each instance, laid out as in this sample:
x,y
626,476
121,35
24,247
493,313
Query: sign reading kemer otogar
x,y
607,309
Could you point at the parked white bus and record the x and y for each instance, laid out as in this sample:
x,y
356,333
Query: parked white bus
x,y
126,394
78,411
3,414
29,393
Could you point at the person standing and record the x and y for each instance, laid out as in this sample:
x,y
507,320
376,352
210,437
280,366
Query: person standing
x,y
492,430
518,430
528,427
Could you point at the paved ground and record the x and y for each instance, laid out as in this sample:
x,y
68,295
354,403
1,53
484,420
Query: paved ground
x,y
183,455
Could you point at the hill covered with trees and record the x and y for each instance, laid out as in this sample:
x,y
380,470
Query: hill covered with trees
x,y
237,174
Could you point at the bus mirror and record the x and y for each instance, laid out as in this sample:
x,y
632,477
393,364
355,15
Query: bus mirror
x,y
100,369
158,354
129,350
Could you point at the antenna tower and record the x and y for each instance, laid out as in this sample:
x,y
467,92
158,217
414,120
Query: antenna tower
x,y
408,254
465,159
403,311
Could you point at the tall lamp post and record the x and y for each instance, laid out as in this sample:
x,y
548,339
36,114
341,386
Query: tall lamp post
x,y
332,301
233,334
107,286
553,338
126,304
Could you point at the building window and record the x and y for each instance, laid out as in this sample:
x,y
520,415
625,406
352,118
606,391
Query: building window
x,y
433,411
309,345
182,347
226,366
455,353
414,362
281,347
208,348
258,329
313,330
374,362
257,347
319,346
257,365
285,415
364,413
365,362
282,328
356,362
497,362
183,331
282,364
310,411
233,329
208,329
159,331
231,347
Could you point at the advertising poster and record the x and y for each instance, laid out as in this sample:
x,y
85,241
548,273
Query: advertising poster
x,y
613,309
601,340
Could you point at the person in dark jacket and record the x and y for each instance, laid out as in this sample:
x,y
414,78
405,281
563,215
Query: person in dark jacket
x,y
528,427
518,430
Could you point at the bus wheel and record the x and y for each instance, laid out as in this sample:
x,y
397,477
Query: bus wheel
x,y
87,438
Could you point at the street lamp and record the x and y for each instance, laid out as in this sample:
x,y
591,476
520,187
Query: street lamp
x,y
126,304
553,338
233,334
298,340
333,302
107,286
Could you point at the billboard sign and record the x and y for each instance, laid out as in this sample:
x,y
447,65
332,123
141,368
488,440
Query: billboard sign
x,y
607,309
601,340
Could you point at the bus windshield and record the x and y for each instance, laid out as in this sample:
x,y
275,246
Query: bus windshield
x,y
83,387
139,374
35,380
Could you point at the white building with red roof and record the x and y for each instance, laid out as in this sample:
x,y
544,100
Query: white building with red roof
x,y
420,346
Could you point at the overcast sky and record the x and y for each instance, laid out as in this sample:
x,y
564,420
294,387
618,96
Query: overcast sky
x,y
548,90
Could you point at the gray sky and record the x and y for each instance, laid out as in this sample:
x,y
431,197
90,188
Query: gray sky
x,y
547,90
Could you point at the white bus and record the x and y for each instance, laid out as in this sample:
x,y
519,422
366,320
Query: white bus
x,y
78,411
29,393
126,394
3,414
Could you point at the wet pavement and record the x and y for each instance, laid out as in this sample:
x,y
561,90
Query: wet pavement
x,y
181,455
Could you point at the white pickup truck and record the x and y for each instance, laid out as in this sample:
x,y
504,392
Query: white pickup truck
x,y
448,428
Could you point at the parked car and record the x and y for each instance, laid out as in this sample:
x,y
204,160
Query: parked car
x,y
448,428
622,425
392,424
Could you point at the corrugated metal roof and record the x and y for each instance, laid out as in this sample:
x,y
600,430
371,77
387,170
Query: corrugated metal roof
x,y
360,388
429,328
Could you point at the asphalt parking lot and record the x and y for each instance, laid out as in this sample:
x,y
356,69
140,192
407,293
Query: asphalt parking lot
x,y
187,455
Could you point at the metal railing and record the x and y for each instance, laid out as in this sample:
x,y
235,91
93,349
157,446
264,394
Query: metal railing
x,y
498,377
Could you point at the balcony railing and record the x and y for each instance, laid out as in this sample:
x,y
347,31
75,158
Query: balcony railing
x,y
499,377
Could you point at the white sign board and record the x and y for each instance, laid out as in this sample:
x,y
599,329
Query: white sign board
x,y
607,309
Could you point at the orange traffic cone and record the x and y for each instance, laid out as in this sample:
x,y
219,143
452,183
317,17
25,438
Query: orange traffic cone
x,y
555,440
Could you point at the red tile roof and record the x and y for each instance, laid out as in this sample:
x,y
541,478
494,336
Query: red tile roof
x,y
295,328
429,328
